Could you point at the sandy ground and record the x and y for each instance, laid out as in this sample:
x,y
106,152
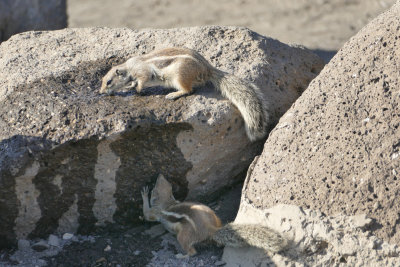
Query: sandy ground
x,y
125,246
316,24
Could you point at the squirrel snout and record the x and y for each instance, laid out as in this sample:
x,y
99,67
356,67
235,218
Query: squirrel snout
x,y
103,88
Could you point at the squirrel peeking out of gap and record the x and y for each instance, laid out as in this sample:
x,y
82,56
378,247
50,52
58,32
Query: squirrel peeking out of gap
x,y
194,222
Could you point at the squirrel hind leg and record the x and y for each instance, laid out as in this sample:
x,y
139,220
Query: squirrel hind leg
x,y
184,87
175,95
185,239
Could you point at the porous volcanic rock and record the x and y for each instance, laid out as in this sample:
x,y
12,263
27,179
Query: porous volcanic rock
x,y
337,149
72,159
314,239
25,15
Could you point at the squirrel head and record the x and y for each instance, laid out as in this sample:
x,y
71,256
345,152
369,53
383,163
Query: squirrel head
x,y
133,74
162,195
117,79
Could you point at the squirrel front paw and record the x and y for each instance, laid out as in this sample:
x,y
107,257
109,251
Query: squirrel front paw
x,y
145,192
171,96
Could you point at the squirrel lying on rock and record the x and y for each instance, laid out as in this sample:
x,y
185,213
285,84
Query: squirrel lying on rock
x,y
194,222
183,68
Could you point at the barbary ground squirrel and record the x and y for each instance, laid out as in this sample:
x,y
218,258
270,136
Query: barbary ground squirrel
x,y
193,223
183,69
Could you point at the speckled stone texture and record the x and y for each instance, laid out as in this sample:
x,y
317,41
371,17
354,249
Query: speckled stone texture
x,y
72,159
337,149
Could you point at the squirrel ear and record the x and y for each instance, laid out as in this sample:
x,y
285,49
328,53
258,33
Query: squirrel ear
x,y
118,72
162,182
162,192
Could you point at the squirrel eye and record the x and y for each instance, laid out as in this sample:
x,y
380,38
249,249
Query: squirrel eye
x,y
118,72
109,82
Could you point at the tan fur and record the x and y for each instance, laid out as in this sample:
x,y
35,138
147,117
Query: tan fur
x,y
193,223
183,69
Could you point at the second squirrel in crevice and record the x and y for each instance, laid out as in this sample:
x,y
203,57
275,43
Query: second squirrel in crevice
x,y
194,222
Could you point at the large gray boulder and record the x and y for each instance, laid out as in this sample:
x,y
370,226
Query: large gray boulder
x,y
336,151
72,159
25,15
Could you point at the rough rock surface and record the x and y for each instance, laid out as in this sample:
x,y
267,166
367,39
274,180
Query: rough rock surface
x,y
25,15
72,159
337,149
148,244
315,239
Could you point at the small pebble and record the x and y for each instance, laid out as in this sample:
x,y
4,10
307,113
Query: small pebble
x,y
54,241
40,246
68,236
23,244
108,248
137,252
102,259
219,263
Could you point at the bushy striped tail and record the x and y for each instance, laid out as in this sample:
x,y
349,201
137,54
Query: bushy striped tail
x,y
248,98
254,235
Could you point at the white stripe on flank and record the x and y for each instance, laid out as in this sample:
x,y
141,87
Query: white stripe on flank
x,y
173,214
169,57
180,216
